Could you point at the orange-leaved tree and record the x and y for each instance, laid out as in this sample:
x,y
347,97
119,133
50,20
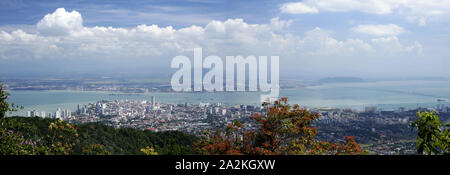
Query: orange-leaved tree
x,y
282,130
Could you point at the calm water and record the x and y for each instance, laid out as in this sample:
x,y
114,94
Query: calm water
x,y
387,95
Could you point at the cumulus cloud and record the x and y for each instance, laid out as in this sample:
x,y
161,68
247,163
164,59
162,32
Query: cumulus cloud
x,y
60,22
62,35
391,45
319,42
414,10
297,8
379,30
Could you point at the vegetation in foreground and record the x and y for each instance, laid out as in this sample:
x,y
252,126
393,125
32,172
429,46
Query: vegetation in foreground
x,y
37,136
433,137
282,130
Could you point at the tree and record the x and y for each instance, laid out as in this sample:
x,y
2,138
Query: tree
x,y
95,149
63,137
283,129
44,136
149,151
4,105
13,142
432,136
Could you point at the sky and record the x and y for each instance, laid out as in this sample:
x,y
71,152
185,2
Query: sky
x,y
313,38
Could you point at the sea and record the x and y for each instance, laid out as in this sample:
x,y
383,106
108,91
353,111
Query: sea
x,y
385,95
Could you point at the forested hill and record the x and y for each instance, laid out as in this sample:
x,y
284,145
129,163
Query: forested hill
x,y
117,141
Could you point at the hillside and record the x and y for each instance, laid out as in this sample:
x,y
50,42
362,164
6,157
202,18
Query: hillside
x,y
121,141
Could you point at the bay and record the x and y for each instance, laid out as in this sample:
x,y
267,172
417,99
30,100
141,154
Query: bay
x,y
387,95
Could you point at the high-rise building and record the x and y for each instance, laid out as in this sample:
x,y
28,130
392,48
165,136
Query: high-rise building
x,y
153,100
78,109
58,113
32,113
67,113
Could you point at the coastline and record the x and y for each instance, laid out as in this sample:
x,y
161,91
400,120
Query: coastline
x,y
356,96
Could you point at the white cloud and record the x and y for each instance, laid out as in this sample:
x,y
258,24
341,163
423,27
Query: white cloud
x,y
62,36
278,24
297,8
414,10
319,42
379,30
60,22
391,45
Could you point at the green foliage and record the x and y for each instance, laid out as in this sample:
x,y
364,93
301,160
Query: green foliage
x,y
149,151
95,149
57,137
432,136
24,138
130,141
4,105
15,143
62,136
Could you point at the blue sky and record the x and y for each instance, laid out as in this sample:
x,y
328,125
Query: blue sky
x,y
123,13
314,38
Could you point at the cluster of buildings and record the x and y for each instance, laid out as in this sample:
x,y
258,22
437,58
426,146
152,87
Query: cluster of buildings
x,y
143,114
58,114
393,148
439,108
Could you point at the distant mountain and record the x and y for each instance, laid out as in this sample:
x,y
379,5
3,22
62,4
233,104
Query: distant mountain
x,y
341,80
